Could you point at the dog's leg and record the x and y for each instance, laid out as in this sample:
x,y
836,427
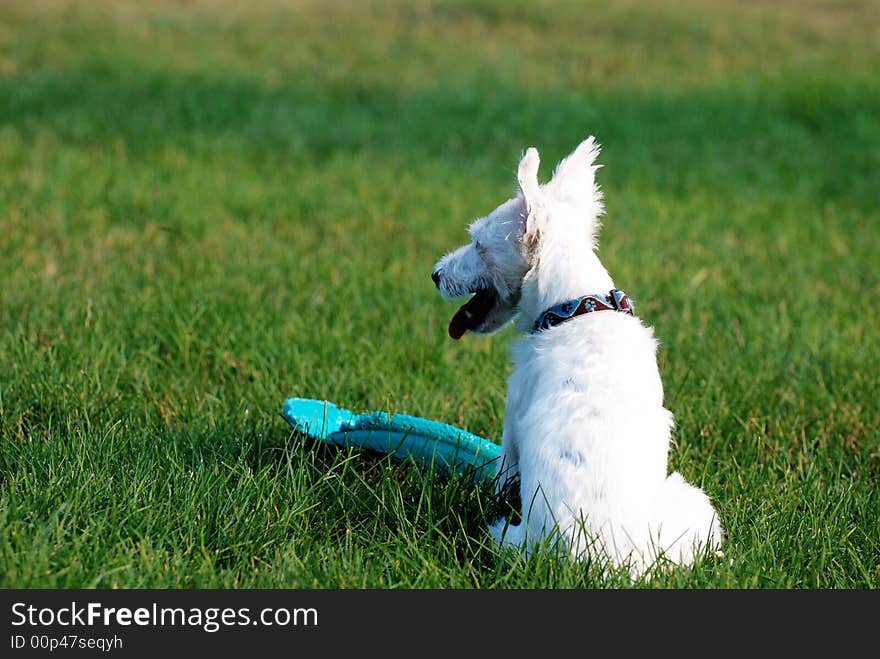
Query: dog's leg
x,y
508,535
505,530
507,487
507,473
508,466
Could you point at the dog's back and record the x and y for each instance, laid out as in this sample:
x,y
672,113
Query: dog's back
x,y
586,402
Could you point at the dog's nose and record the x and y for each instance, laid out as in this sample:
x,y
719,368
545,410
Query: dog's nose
x,y
436,277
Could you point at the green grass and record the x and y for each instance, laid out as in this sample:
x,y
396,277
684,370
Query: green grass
x,y
205,210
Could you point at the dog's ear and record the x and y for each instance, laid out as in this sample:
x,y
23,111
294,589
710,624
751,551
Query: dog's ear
x,y
529,190
575,177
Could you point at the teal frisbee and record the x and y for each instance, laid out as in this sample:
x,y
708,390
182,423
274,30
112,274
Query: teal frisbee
x,y
432,445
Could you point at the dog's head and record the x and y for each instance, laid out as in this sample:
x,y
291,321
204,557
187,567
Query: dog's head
x,y
506,245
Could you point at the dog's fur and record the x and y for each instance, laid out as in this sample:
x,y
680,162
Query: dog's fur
x,y
585,430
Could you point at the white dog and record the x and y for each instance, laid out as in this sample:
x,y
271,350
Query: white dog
x,y
585,430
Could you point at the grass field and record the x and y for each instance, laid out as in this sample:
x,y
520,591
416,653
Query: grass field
x,y
206,209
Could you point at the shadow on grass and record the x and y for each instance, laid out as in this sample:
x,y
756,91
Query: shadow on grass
x,y
264,488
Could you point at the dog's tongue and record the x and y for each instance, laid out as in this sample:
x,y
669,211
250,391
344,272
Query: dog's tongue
x,y
458,324
472,313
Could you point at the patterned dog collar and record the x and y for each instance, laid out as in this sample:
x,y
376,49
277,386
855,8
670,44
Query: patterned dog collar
x,y
615,300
